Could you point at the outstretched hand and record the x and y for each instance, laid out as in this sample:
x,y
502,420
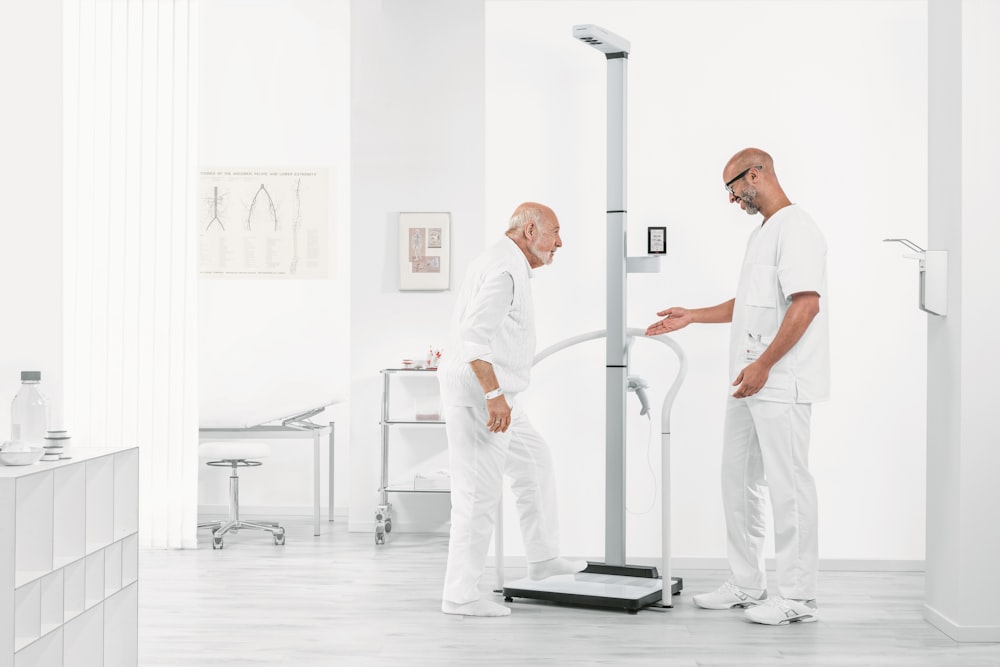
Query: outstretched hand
x,y
673,319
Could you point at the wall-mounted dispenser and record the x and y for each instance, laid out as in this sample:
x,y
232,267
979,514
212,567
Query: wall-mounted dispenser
x,y
933,269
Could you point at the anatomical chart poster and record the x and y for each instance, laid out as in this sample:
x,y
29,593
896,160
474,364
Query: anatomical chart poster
x,y
264,223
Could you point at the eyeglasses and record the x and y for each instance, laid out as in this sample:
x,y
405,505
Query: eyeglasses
x,y
729,185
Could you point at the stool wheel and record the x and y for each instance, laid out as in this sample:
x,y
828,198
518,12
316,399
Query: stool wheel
x,y
216,542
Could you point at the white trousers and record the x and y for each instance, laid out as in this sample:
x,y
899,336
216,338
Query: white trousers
x,y
765,440
479,459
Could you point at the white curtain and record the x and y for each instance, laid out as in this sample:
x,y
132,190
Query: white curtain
x,y
130,247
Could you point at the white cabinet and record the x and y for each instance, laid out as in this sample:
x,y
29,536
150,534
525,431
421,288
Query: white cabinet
x,y
72,565
410,400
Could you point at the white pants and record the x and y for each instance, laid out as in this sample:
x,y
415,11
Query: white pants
x,y
765,440
479,459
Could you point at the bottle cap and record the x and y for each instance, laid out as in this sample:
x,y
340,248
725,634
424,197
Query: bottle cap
x,y
31,376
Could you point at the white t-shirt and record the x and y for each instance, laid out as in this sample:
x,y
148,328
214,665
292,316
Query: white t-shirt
x,y
785,255
494,320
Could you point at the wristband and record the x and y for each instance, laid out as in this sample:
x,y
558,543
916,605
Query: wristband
x,y
494,394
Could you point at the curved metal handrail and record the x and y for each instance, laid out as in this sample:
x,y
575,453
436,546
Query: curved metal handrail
x,y
632,335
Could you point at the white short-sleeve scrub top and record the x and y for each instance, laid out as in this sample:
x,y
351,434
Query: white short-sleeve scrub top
x,y
785,255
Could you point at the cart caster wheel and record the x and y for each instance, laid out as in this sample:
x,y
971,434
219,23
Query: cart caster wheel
x,y
379,538
388,526
508,599
279,539
216,542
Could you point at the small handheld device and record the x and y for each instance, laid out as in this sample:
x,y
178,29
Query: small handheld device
x,y
638,385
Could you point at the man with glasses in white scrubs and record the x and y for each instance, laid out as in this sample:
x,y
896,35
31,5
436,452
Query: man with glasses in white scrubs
x,y
487,364
780,362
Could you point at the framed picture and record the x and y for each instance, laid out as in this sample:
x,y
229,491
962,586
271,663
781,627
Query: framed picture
x,y
656,238
424,251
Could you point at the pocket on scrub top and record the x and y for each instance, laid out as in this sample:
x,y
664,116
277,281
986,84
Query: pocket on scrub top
x,y
762,300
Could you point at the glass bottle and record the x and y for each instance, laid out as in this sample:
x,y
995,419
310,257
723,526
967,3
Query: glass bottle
x,y
29,411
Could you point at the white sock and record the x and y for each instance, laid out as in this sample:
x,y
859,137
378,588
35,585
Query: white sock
x,y
475,608
553,566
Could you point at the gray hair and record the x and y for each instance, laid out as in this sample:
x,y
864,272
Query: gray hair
x,y
524,216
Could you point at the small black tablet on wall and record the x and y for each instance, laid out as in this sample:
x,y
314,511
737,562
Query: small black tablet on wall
x,y
656,238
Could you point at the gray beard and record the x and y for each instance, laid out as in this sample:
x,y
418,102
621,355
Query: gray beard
x,y
748,197
543,257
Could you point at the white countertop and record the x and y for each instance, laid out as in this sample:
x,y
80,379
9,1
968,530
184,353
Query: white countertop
x,y
77,452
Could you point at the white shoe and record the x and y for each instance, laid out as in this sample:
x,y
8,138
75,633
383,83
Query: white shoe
x,y
475,608
782,611
727,596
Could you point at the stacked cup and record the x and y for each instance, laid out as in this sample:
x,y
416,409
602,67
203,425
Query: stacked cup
x,y
56,442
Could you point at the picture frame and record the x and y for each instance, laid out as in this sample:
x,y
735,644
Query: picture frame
x,y
656,240
424,251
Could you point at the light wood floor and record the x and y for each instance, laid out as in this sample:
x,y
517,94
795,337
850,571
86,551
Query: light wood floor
x,y
340,600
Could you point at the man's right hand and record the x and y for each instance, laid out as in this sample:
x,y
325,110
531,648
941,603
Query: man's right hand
x,y
673,319
499,414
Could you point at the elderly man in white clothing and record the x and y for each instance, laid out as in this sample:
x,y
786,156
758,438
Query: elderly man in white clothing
x,y
488,363
780,359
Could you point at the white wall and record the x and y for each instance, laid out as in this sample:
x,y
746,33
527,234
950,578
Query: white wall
x,y
275,84
848,128
846,121
31,174
417,137
837,93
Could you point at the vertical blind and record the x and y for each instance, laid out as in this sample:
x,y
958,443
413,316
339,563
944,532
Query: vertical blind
x,y
130,245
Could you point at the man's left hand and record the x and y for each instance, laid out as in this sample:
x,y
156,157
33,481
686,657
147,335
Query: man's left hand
x,y
499,414
751,380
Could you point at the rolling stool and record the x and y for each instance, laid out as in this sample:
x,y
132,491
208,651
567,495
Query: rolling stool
x,y
236,454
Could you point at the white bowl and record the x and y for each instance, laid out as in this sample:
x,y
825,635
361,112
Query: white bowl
x,y
23,458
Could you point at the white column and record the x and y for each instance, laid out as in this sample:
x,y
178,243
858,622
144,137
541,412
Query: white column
x,y
615,301
31,174
963,497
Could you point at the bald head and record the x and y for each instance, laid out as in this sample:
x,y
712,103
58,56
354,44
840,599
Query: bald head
x,y
535,229
746,158
749,176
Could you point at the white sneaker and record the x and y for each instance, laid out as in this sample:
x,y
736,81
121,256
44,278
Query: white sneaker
x,y
782,611
475,608
727,596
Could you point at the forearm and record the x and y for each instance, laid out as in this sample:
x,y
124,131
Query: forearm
x,y
797,319
677,318
714,314
484,373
